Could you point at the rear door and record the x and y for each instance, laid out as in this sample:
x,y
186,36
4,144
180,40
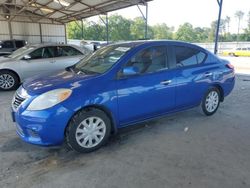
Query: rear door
x,y
192,75
151,92
67,56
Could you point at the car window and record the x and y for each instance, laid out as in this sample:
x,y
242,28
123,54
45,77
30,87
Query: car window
x,y
7,44
37,54
238,48
19,44
186,56
49,52
244,48
67,51
149,60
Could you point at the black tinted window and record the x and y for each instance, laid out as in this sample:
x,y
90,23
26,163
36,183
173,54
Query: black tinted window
x,y
19,44
150,60
67,51
188,56
7,44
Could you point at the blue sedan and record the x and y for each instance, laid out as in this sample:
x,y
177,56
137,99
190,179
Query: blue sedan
x,y
119,85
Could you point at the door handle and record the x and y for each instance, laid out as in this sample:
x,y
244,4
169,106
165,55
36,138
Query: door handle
x,y
52,61
166,82
207,74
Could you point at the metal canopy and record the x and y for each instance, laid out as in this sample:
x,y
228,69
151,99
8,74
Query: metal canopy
x,y
59,11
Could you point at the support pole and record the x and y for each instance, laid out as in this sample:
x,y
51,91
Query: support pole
x,y
82,28
10,30
40,32
146,22
145,17
220,2
107,28
106,23
65,32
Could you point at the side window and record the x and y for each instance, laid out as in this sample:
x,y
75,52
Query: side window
x,y
149,60
67,51
19,44
186,56
49,52
37,54
244,48
7,44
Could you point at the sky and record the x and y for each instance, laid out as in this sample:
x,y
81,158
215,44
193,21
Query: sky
x,y
197,12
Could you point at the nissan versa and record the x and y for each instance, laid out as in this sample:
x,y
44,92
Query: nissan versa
x,y
119,85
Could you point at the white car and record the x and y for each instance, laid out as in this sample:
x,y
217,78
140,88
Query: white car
x,y
32,60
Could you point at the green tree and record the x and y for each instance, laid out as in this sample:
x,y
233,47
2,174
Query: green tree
x,y
137,29
74,30
162,31
119,28
186,32
202,34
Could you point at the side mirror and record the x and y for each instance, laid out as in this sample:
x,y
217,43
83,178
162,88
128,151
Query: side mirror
x,y
129,71
26,57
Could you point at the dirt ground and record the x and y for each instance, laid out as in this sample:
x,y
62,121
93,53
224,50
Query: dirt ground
x,y
186,149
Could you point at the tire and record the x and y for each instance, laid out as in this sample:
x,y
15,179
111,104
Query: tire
x,y
85,128
211,101
8,80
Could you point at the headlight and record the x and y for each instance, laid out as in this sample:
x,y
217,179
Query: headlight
x,y
49,99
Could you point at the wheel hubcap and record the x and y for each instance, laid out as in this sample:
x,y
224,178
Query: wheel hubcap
x,y
212,101
90,132
6,81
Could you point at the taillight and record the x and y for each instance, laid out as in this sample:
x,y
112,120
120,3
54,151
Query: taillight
x,y
230,66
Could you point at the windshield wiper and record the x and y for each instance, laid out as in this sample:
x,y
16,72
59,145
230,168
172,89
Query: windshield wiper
x,y
88,71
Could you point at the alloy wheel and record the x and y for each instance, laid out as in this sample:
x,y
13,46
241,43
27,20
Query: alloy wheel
x,y
212,101
6,81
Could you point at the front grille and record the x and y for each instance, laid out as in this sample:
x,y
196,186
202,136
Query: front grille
x,y
17,101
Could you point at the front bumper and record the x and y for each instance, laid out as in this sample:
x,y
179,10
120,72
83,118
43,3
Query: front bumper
x,y
43,127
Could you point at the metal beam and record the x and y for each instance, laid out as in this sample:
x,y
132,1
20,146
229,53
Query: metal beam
x,y
145,17
220,3
106,23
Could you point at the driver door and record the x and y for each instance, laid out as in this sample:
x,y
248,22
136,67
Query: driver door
x,y
41,62
149,93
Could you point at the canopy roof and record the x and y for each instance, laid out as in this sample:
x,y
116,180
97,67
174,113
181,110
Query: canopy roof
x,y
59,11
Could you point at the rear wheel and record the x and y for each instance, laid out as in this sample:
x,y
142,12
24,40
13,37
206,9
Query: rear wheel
x,y
88,130
211,101
8,80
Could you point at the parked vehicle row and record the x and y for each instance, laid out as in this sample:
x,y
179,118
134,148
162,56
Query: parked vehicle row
x,y
32,60
117,86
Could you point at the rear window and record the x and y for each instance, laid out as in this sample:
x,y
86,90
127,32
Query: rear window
x,y
19,44
186,56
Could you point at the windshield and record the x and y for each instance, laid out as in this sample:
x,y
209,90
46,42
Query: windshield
x,y
102,60
21,52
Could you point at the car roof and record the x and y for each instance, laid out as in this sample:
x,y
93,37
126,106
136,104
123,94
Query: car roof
x,y
133,44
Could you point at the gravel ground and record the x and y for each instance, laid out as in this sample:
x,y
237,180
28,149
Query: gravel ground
x,y
186,149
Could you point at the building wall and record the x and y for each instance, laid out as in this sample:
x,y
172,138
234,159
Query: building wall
x,y
33,32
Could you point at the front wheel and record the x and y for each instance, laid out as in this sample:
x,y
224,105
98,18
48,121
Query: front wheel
x,y
211,101
88,130
8,80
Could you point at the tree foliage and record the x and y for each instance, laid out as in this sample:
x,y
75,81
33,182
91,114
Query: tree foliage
x,y
123,29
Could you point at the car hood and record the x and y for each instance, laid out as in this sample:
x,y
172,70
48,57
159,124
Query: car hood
x,y
6,60
61,79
